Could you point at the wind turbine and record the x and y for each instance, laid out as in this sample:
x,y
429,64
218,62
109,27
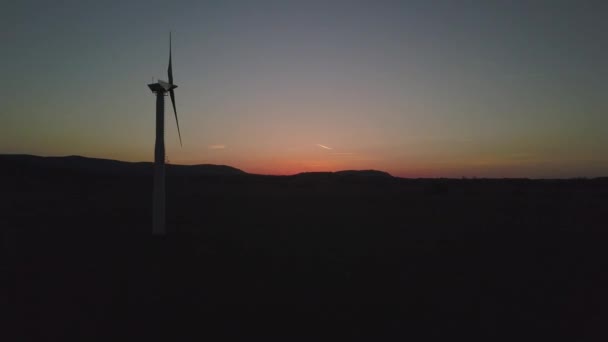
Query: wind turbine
x,y
161,88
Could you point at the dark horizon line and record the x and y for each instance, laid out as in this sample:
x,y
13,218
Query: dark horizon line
x,y
300,173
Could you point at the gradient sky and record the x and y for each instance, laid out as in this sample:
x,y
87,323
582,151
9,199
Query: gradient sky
x,y
415,88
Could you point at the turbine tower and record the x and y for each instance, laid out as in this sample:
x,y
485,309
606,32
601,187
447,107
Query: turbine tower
x,y
161,88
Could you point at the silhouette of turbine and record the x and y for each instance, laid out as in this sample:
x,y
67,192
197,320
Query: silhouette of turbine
x,y
161,88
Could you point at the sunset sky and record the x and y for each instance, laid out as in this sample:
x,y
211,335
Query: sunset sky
x,y
414,88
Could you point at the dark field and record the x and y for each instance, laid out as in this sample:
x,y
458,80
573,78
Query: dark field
x,y
299,258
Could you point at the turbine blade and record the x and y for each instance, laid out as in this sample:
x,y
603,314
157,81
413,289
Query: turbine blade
x,y
172,94
170,68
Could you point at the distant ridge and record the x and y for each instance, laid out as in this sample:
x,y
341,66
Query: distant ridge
x,y
109,166
365,173
22,162
348,173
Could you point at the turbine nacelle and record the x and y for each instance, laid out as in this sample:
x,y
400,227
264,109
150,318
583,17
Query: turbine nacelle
x,y
166,85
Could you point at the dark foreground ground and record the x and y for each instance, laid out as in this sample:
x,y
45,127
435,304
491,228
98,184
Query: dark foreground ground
x,y
302,258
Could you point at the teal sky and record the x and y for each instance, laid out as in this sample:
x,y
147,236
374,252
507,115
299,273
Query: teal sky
x,y
415,88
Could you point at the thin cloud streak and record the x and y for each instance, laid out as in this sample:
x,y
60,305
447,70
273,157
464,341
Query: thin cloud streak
x,y
325,147
217,147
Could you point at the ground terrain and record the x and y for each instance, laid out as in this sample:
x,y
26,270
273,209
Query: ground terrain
x,y
347,256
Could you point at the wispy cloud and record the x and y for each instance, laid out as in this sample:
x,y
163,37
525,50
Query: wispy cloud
x,y
325,147
217,147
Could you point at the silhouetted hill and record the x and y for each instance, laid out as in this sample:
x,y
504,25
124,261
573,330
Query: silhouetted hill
x,y
364,173
23,162
206,170
344,177
346,173
108,166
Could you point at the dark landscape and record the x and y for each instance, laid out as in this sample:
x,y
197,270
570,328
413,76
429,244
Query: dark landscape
x,y
342,256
